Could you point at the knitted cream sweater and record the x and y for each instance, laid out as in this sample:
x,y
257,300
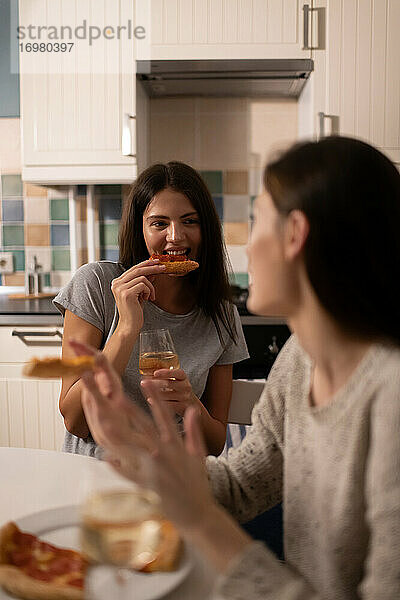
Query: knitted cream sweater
x,y
337,470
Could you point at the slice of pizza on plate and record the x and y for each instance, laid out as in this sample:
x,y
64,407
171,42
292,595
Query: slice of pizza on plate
x,y
35,570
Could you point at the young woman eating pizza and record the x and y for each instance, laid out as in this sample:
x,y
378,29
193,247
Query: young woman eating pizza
x,y
324,251
169,212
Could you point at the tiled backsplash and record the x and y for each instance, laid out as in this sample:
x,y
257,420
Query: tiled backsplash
x,y
35,222
231,193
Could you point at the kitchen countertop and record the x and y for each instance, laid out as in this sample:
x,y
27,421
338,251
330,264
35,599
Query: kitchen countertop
x,y
248,318
41,311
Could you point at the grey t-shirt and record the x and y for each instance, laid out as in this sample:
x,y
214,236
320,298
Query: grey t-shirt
x,y
88,295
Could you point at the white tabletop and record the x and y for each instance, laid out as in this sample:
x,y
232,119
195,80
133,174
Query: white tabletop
x,y
36,480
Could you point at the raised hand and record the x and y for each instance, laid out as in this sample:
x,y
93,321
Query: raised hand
x,y
178,472
151,453
131,290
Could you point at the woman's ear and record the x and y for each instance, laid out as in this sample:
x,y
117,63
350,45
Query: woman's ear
x,y
297,228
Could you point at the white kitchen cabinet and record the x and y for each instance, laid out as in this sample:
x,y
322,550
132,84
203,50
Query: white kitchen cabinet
x,y
356,83
78,107
29,415
223,29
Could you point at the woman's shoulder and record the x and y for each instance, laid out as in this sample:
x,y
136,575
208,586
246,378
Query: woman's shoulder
x,y
93,279
106,270
389,355
291,365
385,370
293,353
88,294
230,311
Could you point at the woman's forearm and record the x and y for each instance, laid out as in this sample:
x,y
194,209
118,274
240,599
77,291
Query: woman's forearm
x,y
118,351
218,537
214,431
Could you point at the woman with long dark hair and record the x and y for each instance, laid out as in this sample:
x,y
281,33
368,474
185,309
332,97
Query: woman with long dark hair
x,y
107,304
325,252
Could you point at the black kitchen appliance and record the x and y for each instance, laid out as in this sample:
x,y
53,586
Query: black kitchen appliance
x,y
264,337
264,341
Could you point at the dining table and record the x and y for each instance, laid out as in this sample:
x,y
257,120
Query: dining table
x,y
38,484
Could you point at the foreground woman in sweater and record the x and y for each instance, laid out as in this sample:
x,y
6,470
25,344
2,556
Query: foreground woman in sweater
x,y
324,251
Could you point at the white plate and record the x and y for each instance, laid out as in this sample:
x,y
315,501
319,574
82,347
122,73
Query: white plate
x,y
59,526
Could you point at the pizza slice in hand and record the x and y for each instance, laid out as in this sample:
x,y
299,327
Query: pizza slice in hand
x,y
35,570
52,367
176,264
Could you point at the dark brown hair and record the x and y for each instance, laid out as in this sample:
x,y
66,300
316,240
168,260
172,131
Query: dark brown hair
x,y
210,281
350,193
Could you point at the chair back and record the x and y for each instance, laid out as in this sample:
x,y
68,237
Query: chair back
x,y
245,394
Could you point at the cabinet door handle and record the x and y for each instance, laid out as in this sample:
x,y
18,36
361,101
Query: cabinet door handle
x,y
306,15
334,125
321,120
39,334
315,17
127,141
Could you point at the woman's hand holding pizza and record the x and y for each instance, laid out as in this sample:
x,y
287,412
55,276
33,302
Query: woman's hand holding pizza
x,y
172,387
131,290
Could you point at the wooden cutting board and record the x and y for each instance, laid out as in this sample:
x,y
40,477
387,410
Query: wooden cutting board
x,y
31,296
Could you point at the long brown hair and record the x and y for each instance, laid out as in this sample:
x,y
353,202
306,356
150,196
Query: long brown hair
x,y
350,193
210,281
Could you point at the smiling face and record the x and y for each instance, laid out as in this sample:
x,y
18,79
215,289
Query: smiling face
x,y
271,289
171,225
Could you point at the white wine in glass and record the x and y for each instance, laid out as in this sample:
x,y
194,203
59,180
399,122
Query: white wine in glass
x,y
156,351
120,530
121,527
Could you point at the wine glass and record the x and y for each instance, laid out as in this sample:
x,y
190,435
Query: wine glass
x,y
156,351
119,531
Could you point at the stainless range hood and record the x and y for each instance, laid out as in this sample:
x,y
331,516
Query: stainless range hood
x,y
252,78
